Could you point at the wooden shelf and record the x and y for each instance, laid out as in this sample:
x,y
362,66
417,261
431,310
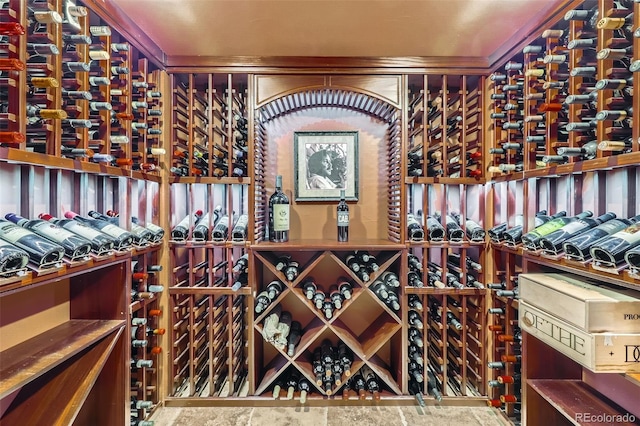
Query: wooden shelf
x,y
32,358
317,245
568,266
573,399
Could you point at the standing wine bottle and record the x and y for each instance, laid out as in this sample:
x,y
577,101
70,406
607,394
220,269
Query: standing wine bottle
x,y
12,259
123,238
577,247
278,214
42,252
532,238
343,218
101,243
550,243
609,251
75,247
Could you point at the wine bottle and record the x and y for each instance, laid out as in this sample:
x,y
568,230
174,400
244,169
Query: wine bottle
x,y
414,228
75,247
609,251
551,242
432,386
12,259
435,230
293,339
156,231
274,288
123,238
262,301
358,384
532,238
181,231
220,231
101,243
42,252
474,231
414,279
346,358
291,271
343,218
371,381
577,248
278,214
335,296
304,387
345,288
239,232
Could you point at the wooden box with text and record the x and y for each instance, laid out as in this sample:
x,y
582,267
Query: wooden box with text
x,y
586,305
599,352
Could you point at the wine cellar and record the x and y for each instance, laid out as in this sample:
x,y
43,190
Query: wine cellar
x,y
146,262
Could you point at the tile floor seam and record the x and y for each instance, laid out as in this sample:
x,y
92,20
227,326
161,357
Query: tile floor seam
x,y
250,416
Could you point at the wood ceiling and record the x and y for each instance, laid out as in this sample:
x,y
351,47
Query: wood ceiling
x,y
448,31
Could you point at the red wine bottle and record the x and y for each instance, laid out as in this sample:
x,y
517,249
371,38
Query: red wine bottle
x,y
279,214
101,243
42,252
343,218
75,247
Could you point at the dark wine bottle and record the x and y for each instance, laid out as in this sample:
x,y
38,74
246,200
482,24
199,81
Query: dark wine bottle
x,y
239,232
415,231
577,247
220,231
278,214
609,251
101,243
293,339
435,230
532,238
550,243
124,239
75,247
304,387
343,218
156,231
12,259
474,231
181,231
42,252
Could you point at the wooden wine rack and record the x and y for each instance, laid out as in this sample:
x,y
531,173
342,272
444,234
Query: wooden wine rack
x,y
574,184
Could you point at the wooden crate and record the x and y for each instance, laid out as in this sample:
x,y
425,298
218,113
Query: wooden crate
x,y
599,352
589,307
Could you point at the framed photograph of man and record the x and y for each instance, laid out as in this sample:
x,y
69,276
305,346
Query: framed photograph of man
x,y
325,163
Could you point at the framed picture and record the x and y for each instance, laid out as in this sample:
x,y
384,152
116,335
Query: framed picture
x,y
325,163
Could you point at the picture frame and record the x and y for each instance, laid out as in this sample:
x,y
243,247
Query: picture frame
x,y
324,164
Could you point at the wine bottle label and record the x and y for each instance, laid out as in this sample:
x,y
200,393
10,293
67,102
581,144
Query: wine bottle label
x,y
631,234
547,228
574,227
343,218
114,230
51,231
13,233
281,217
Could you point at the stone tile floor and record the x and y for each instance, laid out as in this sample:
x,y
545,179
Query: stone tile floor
x,y
324,416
